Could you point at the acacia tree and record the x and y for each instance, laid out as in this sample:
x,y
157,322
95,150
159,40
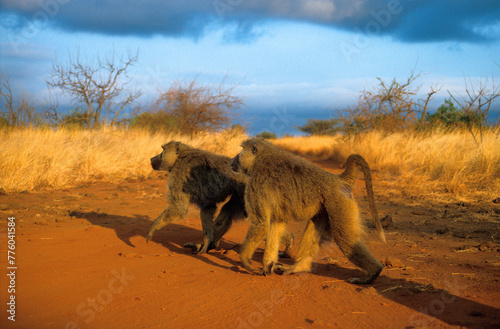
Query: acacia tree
x,y
320,127
100,86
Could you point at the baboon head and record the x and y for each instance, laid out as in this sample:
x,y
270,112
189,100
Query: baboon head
x,y
165,160
245,160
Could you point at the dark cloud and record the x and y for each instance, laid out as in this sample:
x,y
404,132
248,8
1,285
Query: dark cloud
x,y
405,20
456,20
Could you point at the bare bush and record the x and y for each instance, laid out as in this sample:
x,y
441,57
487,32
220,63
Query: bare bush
x,y
476,104
17,111
196,107
391,107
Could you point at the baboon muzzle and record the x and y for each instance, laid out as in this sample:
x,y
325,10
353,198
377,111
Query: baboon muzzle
x,y
156,162
235,163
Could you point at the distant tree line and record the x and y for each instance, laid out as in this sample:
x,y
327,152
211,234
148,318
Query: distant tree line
x,y
99,89
392,107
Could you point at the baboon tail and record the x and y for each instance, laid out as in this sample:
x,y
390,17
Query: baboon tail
x,y
349,175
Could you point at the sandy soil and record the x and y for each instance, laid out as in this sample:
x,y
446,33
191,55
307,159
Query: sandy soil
x,y
83,262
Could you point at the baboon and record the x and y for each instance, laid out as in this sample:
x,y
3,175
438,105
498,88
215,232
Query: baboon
x,y
204,179
284,187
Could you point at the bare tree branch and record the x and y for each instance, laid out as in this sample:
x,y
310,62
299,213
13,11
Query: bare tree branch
x,y
199,108
99,87
18,111
476,104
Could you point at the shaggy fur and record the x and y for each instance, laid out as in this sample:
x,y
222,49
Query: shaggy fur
x,y
283,187
204,179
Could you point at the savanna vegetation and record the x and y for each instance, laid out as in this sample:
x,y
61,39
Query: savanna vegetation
x,y
451,150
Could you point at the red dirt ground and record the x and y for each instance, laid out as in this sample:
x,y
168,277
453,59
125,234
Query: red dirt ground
x,y
83,262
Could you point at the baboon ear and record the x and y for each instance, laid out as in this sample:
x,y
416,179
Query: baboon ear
x,y
177,147
254,149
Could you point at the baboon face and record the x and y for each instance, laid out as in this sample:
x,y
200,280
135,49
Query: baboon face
x,y
245,160
165,161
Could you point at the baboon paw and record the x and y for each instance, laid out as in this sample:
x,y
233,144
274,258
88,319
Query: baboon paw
x,y
279,269
206,247
283,269
257,272
203,250
363,280
195,247
268,269
366,279
253,270
283,254
149,236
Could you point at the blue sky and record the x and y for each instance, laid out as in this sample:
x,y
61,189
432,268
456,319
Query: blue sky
x,y
292,60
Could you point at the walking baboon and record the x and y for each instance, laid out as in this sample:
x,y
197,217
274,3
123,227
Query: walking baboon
x,y
204,179
281,187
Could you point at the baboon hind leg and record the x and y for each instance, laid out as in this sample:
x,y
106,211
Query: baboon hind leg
x,y
308,247
346,232
234,210
361,256
287,240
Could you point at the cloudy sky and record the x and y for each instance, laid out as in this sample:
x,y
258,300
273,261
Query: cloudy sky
x,y
292,60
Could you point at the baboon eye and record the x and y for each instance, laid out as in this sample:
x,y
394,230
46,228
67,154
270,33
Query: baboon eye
x,y
254,149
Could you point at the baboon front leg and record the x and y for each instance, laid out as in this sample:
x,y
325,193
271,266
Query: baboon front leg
x,y
273,240
256,233
308,247
171,214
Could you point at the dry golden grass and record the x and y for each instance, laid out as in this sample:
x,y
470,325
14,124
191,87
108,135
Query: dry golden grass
x,y
430,164
32,159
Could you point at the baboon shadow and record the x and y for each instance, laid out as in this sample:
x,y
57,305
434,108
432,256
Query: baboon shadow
x,y
128,227
429,303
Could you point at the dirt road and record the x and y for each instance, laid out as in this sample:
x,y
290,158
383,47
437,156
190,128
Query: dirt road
x,y
81,261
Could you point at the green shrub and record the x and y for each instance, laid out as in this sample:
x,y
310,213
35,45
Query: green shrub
x,y
267,135
316,127
154,121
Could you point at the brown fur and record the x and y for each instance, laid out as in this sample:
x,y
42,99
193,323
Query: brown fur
x,y
281,187
350,174
204,179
